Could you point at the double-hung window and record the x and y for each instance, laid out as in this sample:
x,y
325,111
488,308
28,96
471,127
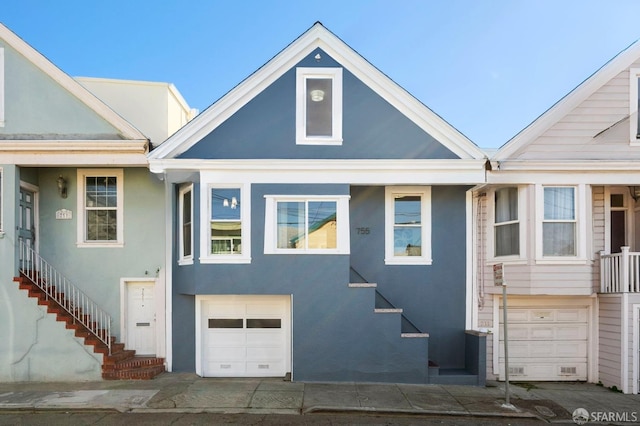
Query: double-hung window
x,y
185,213
559,223
100,207
319,106
506,225
408,225
227,236
307,225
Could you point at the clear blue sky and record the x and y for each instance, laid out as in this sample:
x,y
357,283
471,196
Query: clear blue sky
x,y
488,67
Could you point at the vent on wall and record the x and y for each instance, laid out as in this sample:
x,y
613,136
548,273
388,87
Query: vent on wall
x,y
516,371
568,371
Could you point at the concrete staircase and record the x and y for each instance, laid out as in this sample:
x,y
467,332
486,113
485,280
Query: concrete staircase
x,y
121,364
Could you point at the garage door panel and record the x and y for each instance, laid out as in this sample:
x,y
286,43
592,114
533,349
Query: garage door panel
x,y
546,343
246,336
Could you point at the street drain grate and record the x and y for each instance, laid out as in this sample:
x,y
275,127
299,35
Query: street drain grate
x,y
545,411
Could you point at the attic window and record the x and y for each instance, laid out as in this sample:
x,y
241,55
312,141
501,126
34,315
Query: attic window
x,y
319,106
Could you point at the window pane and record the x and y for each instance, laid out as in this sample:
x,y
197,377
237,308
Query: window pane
x,y
225,323
101,192
559,203
617,200
507,239
506,205
186,224
225,204
407,241
264,323
407,210
559,239
101,225
322,225
319,107
291,224
226,237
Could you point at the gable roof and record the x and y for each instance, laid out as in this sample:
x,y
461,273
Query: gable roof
x,y
127,130
317,37
544,122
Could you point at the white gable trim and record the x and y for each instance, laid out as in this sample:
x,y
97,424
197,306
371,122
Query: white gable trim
x,y
570,101
128,131
317,37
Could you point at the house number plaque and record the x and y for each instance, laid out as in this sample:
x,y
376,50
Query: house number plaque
x,y
64,214
363,231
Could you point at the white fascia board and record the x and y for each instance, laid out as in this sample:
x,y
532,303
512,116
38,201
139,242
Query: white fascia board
x,y
93,152
68,83
318,37
383,172
587,166
570,101
624,178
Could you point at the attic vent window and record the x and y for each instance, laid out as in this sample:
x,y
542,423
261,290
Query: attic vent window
x,y
319,106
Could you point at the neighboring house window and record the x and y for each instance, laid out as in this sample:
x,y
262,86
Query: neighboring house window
x,y
227,226
1,87
559,224
319,106
307,224
506,224
100,207
408,225
185,213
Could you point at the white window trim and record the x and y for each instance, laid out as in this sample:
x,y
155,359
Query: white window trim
x,y
634,74
342,219
581,226
81,230
522,221
2,84
182,259
205,225
389,195
302,74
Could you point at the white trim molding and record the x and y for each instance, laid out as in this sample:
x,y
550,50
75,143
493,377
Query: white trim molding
x,y
390,195
342,224
82,241
303,75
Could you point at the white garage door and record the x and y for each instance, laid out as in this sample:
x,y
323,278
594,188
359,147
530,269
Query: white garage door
x,y
546,343
246,336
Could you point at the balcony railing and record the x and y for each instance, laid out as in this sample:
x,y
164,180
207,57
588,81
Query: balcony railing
x,y
620,272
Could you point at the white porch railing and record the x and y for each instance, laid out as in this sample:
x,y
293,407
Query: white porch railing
x,y
620,272
58,288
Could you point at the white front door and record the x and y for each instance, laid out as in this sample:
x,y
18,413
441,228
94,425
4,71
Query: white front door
x,y
141,320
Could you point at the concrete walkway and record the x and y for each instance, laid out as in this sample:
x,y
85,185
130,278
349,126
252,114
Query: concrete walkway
x,y
188,393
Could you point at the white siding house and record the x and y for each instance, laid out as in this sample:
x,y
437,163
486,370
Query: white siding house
x,y
560,211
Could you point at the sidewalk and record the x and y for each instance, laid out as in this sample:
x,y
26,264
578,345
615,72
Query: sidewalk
x,y
188,393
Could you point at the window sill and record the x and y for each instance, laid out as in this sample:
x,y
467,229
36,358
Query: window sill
x,y
100,245
507,260
312,252
327,141
225,260
407,261
184,262
560,261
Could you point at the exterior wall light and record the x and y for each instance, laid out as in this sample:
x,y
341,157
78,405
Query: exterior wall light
x,y
62,186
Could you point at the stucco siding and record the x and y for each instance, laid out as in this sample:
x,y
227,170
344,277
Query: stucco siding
x,y
36,107
266,127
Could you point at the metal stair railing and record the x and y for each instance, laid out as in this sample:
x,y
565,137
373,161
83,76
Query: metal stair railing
x,y
58,288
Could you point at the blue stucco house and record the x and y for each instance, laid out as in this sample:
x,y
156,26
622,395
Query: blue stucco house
x,y
321,228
